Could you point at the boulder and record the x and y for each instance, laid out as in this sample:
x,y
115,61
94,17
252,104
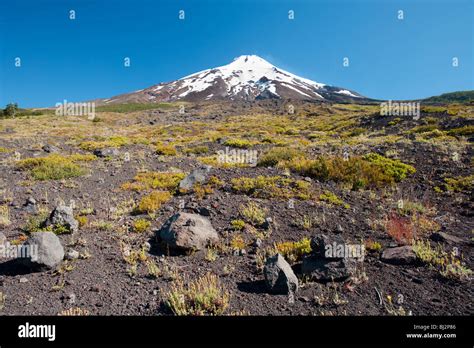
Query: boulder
x,y
279,276
63,215
196,176
325,270
45,251
403,255
107,152
185,231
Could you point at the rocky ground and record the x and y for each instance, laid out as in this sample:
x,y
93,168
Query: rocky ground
x,y
141,216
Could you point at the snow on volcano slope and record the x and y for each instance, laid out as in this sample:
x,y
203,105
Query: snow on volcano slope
x,y
248,77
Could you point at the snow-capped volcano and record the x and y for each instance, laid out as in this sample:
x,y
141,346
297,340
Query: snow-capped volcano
x,y
248,77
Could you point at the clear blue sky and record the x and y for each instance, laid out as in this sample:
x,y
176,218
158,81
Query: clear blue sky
x,y
82,59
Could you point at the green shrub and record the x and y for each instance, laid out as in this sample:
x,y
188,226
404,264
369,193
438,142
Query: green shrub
x,y
358,172
462,131
272,187
55,167
197,150
203,296
331,198
154,181
253,213
315,168
424,128
140,225
393,168
237,225
459,184
294,251
165,149
278,154
152,202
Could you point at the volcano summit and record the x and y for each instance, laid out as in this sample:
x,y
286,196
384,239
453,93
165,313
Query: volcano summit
x,y
248,77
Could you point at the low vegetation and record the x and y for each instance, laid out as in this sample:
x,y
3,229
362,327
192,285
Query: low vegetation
x,y
253,214
154,181
55,167
165,149
141,225
294,251
369,171
449,266
331,198
203,296
152,202
272,187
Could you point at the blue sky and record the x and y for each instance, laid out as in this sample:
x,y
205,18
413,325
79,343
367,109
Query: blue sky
x,y
82,59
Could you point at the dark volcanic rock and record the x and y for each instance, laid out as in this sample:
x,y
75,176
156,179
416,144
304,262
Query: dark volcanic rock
x,y
321,269
447,238
279,277
403,255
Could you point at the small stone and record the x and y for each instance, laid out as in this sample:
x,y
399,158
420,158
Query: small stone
x,y
107,152
72,255
95,288
71,298
258,243
23,280
50,148
266,225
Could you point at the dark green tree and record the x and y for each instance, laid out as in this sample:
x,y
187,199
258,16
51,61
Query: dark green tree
x,y
11,110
